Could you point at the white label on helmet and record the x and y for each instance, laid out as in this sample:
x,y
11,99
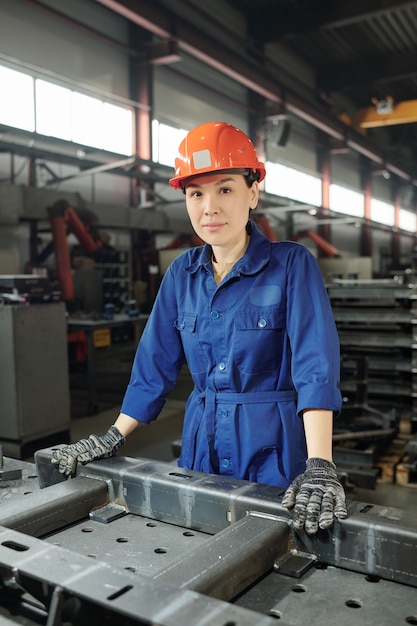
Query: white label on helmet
x,y
202,159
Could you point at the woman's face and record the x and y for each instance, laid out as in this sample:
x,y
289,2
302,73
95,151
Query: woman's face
x,y
218,206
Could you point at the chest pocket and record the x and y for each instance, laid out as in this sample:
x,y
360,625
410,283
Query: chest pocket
x,y
258,340
186,324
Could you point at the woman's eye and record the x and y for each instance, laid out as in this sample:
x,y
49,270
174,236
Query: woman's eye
x,y
225,190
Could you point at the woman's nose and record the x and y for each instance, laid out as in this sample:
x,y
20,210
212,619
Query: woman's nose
x,y
210,205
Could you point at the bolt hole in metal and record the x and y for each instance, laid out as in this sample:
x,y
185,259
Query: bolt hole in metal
x,y
370,578
411,619
120,592
87,529
299,589
161,550
353,604
122,540
275,614
13,545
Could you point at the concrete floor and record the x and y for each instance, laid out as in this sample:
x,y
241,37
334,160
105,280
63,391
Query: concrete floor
x,y
155,441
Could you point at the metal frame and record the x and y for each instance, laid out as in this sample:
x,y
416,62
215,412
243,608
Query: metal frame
x,y
247,549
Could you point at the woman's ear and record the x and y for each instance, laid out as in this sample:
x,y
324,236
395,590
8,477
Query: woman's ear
x,y
254,195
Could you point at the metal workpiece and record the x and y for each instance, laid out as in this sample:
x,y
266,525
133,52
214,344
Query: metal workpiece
x,y
141,542
40,513
373,540
377,320
204,502
329,595
75,589
8,473
233,559
386,291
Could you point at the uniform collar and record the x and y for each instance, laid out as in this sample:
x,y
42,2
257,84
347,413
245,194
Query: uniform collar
x,y
255,258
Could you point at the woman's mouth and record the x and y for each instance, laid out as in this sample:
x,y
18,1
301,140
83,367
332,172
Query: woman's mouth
x,y
213,227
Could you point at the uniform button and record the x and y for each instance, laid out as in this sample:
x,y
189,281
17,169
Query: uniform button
x,y
225,463
182,324
215,315
224,413
222,366
262,323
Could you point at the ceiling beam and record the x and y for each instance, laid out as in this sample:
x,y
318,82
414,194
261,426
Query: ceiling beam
x,y
247,72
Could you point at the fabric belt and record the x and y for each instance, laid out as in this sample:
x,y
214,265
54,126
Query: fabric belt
x,y
251,397
211,398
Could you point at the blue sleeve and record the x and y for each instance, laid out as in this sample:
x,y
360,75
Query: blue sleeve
x,y
158,359
313,336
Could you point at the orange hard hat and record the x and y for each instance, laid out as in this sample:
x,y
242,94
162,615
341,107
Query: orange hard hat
x,y
213,147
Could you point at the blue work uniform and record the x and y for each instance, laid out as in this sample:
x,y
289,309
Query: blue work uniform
x,y
261,348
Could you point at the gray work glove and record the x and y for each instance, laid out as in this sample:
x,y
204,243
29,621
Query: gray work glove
x,y
317,496
87,450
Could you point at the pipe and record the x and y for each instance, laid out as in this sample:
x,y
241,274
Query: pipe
x,y
62,253
325,246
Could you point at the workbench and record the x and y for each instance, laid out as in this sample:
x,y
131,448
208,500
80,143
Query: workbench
x,y
133,542
90,326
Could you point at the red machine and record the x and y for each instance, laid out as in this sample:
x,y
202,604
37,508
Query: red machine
x,y
64,219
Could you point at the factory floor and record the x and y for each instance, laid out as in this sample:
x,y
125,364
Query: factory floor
x,y
155,441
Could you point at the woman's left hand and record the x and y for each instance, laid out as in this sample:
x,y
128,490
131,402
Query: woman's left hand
x,y
317,496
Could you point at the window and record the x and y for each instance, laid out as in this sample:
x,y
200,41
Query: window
x,y
36,105
291,183
343,200
118,129
382,212
407,220
87,120
16,99
165,142
53,110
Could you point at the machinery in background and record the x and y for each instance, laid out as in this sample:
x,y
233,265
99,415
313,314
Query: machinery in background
x,y
64,219
26,289
34,384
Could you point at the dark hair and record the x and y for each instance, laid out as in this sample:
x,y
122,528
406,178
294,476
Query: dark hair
x,y
251,177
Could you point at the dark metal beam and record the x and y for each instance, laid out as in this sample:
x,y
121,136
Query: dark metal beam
x,y
381,541
47,510
233,559
88,591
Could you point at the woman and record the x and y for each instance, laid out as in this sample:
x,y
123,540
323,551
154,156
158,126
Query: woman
x,y
253,321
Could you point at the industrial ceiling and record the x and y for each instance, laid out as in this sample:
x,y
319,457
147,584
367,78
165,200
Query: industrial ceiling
x,y
362,56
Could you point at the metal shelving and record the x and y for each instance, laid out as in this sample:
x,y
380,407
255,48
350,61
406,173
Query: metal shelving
x,y
377,321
